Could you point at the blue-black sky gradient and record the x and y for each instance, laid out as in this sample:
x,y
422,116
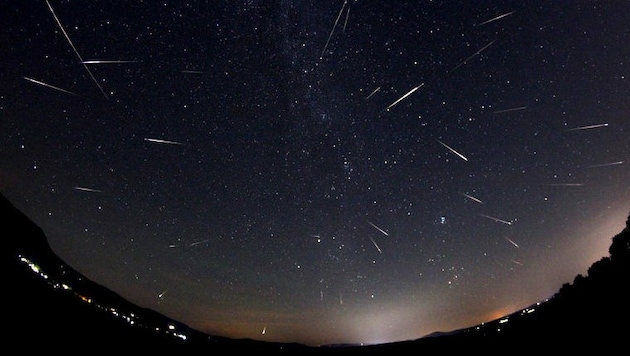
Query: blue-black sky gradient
x,y
320,171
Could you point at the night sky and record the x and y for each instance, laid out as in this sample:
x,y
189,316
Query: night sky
x,y
320,171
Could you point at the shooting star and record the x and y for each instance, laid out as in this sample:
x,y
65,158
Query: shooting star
x,y
375,245
510,110
473,55
517,262
161,295
346,21
565,184
495,18
404,96
471,198
102,61
378,228
452,150
264,330
333,29
372,93
48,85
88,190
497,219
75,50
579,128
606,164
198,242
192,71
155,140
512,242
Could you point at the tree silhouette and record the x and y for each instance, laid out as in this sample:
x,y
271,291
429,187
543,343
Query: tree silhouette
x,y
620,248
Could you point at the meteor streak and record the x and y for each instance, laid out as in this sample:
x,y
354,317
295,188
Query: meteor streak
x,y
372,93
75,49
452,150
48,85
565,184
99,61
333,29
375,245
405,96
510,110
88,190
579,128
472,198
606,164
346,21
155,140
512,242
495,18
378,228
496,219
471,57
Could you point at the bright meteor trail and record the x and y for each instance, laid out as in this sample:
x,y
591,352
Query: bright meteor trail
x,y
606,164
378,228
405,96
49,86
497,219
375,245
372,93
156,140
88,190
512,242
75,49
452,150
96,61
333,29
472,198
587,127
495,18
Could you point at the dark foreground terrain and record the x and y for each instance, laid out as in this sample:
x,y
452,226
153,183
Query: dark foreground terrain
x,y
48,306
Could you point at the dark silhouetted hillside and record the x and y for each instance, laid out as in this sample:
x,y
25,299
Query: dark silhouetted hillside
x,y
49,305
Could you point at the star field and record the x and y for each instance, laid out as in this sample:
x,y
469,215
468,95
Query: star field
x,y
320,171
